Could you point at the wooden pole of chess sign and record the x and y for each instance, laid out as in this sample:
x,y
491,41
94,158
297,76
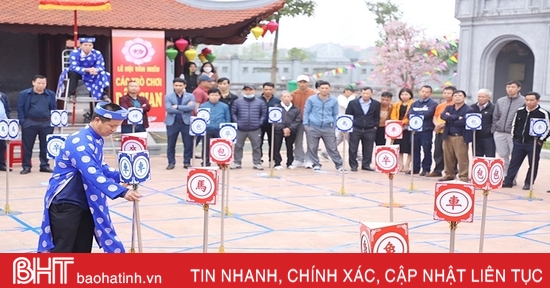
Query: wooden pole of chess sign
x,y
221,153
454,203
202,188
387,163
9,130
487,175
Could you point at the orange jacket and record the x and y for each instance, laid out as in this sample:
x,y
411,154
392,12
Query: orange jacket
x,y
395,111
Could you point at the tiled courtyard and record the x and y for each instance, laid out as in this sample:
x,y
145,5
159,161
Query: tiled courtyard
x,y
295,211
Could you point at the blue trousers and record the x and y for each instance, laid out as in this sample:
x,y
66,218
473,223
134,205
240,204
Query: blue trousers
x,y
423,139
172,133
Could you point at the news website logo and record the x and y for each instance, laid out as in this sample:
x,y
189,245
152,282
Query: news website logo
x,y
32,269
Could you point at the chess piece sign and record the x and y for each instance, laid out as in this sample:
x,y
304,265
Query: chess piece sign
x,y
474,121
204,113
135,116
487,173
344,123
133,141
394,129
134,166
228,131
416,122
202,185
59,118
454,202
54,144
386,159
9,129
197,127
275,115
378,237
221,151
538,127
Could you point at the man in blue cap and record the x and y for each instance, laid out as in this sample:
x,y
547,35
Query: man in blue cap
x,y
75,206
88,65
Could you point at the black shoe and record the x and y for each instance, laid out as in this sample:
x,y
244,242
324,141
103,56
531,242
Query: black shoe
x,y
354,169
46,170
367,169
186,166
526,187
25,171
424,173
507,185
170,166
409,172
515,183
3,168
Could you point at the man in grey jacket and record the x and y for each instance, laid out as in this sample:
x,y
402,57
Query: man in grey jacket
x,y
503,117
249,113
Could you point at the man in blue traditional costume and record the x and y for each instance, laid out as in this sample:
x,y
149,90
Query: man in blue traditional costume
x,y
88,65
75,206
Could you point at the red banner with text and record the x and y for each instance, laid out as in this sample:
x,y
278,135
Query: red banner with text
x,y
139,55
275,270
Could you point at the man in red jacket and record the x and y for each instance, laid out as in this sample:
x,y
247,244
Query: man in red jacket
x,y
132,99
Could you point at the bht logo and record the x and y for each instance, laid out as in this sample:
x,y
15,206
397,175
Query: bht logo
x,y
29,271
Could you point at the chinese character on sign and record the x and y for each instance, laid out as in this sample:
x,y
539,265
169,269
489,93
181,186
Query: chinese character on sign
x,y
141,166
221,151
480,173
200,186
133,148
453,202
125,168
389,248
386,160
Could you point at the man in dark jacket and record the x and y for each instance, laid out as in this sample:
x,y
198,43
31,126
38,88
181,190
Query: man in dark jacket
x,y
366,117
287,129
456,138
249,113
270,101
227,97
485,143
33,109
523,142
4,114
132,99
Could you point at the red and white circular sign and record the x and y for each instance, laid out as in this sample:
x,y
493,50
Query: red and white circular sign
x,y
394,129
496,174
221,151
480,173
391,242
386,159
454,202
202,185
132,145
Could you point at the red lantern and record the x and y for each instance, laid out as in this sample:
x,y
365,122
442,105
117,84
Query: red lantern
x,y
181,44
272,26
206,51
265,30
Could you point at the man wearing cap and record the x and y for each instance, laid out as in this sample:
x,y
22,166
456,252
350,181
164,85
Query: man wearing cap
x,y
33,110
75,206
201,96
249,113
88,65
299,97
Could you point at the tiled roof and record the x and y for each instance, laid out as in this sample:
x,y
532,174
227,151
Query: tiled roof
x,y
141,14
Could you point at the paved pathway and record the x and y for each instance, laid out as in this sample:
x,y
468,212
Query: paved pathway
x,y
294,212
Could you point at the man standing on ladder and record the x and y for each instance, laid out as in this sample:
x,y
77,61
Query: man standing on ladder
x,y
88,65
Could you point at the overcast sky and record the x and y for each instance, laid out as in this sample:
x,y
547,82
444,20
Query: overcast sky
x,y
349,23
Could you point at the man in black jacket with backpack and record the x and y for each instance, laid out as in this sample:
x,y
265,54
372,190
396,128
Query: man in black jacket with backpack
x,y
523,142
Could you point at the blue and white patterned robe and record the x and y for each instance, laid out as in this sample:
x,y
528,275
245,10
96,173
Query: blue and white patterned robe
x,y
78,61
83,152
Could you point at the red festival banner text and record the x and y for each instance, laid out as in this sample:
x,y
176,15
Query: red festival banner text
x,y
138,55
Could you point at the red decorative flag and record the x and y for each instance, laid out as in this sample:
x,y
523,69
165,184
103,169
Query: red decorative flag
x,y
82,5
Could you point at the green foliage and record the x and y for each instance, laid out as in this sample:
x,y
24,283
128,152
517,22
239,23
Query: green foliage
x,y
297,53
384,11
294,8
